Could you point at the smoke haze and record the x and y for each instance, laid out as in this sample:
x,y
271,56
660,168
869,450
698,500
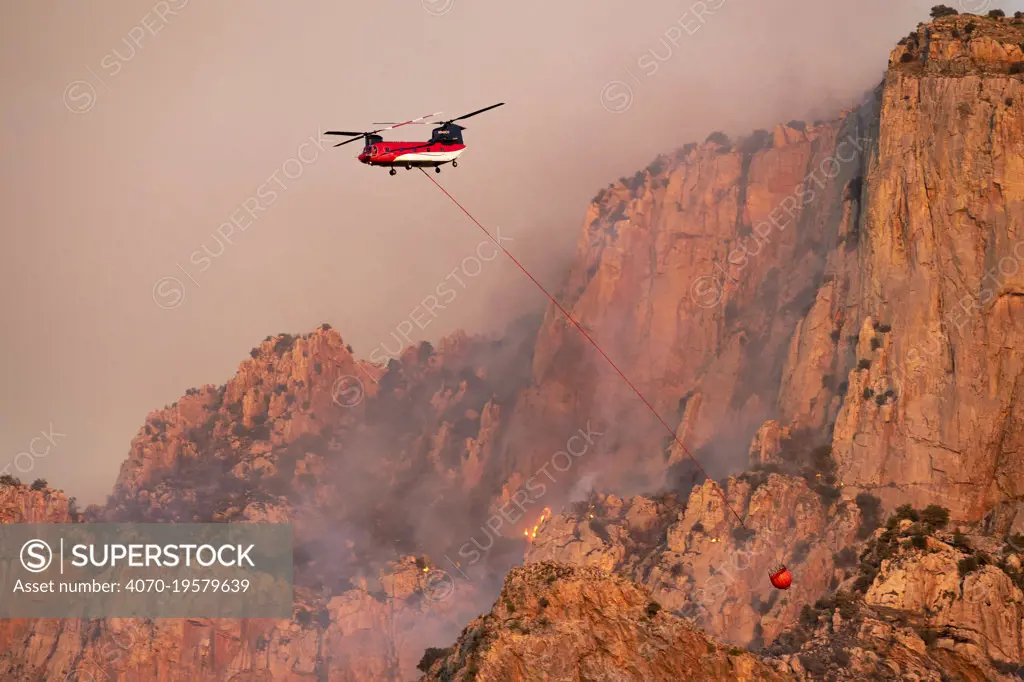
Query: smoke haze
x,y
113,183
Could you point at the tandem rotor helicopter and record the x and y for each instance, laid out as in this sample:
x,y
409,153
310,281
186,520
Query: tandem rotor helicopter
x,y
445,144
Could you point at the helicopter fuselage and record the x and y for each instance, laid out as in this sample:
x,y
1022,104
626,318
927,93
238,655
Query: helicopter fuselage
x,y
410,154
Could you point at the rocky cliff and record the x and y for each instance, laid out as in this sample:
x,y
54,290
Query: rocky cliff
x,y
558,622
912,595
932,411
834,305
306,434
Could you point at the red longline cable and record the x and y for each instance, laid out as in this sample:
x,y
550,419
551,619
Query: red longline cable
x,y
587,336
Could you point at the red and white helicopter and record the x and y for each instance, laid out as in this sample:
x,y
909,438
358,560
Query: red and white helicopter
x,y
445,144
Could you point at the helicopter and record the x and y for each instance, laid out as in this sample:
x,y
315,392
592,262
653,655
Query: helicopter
x,y
445,144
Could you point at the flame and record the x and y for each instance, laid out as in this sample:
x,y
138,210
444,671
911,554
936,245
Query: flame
x,y
426,570
530,535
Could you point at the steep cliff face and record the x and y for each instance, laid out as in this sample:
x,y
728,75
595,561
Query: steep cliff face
x,y
864,273
933,411
694,276
562,623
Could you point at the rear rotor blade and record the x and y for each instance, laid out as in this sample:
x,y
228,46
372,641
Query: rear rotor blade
x,y
359,137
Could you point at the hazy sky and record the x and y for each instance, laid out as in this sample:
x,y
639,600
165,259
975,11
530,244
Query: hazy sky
x,y
129,137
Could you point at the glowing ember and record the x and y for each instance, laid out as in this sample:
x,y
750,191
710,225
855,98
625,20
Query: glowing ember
x,y
530,535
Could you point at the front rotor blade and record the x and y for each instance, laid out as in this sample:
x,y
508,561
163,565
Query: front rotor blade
x,y
478,111
343,132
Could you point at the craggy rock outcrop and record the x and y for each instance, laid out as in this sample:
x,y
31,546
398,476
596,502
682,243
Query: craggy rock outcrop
x,y
20,503
924,604
561,623
913,599
697,561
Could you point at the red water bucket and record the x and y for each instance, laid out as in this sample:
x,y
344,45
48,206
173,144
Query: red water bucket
x,y
781,577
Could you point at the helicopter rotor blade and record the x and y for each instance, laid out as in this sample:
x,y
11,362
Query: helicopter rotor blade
x,y
343,132
415,120
478,111
358,137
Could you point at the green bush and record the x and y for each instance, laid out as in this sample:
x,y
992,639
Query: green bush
x,y
845,558
942,11
997,14
870,513
430,656
719,138
968,565
907,512
808,617
935,516
758,140
39,484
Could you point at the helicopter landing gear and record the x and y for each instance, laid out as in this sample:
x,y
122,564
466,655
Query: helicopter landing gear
x,y
437,169
455,164
393,172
